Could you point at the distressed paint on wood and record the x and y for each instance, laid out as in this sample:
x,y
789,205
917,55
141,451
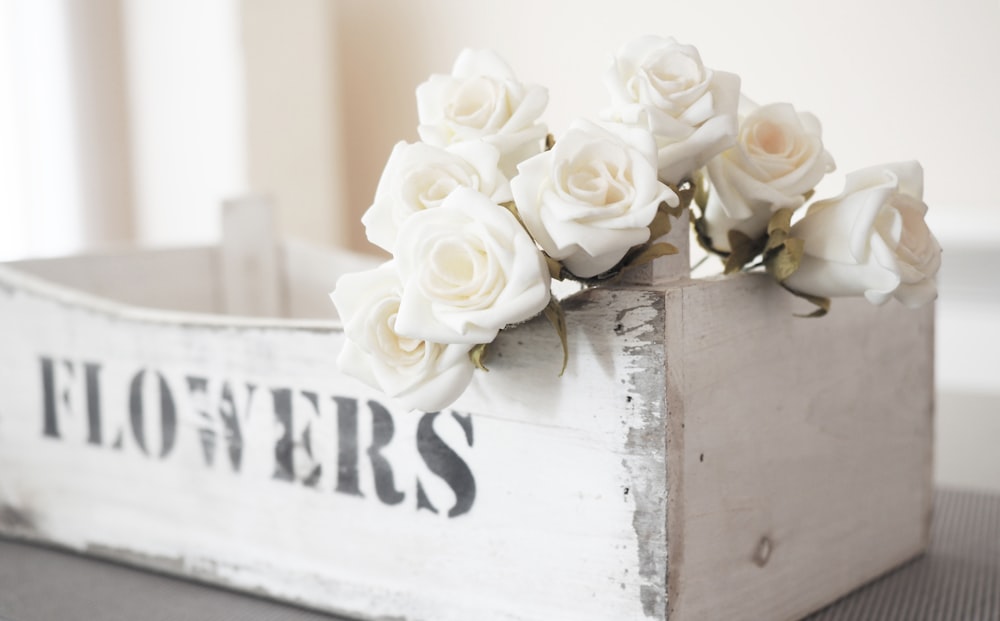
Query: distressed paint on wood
x,y
706,454
551,466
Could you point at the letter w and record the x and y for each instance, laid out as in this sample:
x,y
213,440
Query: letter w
x,y
221,417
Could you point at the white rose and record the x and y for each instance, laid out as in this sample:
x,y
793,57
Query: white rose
x,y
591,198
420,176
468,269
778,159
420,374
482,100
661,85
870,240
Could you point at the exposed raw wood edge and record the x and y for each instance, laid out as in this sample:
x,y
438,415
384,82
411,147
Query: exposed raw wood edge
x,y
249,276
14,280
180,279
674,319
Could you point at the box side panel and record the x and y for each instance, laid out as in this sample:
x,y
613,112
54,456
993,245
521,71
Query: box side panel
x,y
800,456
310,273
179,279
241,456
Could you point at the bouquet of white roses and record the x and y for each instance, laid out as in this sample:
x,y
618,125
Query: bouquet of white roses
x,y
488,208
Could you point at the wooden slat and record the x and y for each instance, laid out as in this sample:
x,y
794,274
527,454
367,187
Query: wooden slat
x,y
800,449
249,272
179,279
310,272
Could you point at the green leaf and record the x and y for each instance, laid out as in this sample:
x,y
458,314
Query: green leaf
x,y
554,313
476,354
781,220
786,259
556,269
660,225
650,253
743,250
822,304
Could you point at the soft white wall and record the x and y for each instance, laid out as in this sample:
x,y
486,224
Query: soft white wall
x,y
227,98
186,102
293,125
889,79
40,187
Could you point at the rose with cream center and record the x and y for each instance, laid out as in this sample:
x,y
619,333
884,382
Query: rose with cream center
x,y
420,374
483,100
469,269
777,161
871,240
420,176
661,85
592,197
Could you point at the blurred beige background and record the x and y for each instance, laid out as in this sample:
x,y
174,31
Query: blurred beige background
x,y
129,121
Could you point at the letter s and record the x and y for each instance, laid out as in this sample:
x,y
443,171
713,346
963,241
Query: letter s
x,y
443,461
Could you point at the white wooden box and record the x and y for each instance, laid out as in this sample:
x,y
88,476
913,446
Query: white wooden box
x,y
705,456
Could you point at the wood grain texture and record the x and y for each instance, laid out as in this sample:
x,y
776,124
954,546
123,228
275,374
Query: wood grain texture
x,y
799,449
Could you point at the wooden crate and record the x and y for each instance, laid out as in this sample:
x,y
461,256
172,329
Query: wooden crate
x,y
706,455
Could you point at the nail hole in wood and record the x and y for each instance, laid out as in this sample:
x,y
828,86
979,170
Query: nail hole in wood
x,y
763,552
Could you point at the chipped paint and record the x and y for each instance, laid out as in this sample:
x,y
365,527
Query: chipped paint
x,y
552,454
643,327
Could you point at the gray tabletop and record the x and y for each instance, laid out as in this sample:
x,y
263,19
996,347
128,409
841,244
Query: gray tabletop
x,y
958,579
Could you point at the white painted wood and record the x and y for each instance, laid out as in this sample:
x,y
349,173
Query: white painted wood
x,y
180,279
800,450
250,276
551,532
310,272
706,455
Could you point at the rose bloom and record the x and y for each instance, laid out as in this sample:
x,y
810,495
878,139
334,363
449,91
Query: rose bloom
x,y
420,176
778,159
591,198
468,270
871,240
419,374
660,85
482,100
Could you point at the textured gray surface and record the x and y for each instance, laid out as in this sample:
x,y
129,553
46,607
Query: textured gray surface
x,y
958,580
